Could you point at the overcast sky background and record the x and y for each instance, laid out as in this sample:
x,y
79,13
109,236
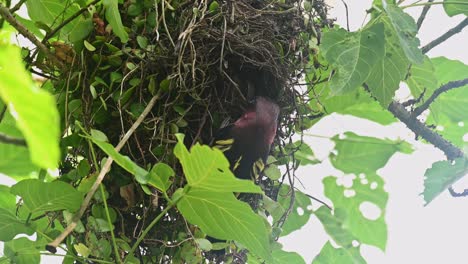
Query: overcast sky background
x,y
416,234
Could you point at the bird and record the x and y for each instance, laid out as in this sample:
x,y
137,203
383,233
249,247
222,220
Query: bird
x,y
246,143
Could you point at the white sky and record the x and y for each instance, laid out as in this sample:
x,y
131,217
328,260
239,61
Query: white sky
x,y
416,234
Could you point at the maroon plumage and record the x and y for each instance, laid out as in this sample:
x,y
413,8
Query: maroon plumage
x,y
253,134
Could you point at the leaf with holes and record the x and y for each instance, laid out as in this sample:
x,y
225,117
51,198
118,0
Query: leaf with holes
x,y
300,211
40,196
221,215
335,225
208,168
366,188
442,175
352,55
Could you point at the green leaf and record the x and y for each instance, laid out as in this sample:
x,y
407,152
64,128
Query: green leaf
x,y
386,75
15,162
442,175
208,168
331,255
461,7
406,31
34,109
364,154
82,249
53,12
141,175
422,79
335,225
114,19
353,55
7,200
41,196
272,171
281,257
359,104
23,251
222,216
304,154
365,189
11,225
203,244
159,176
300,213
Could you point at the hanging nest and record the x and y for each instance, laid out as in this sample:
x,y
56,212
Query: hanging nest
x,y
206,59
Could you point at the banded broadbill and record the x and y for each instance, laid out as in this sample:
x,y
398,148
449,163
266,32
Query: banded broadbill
x,y
246,143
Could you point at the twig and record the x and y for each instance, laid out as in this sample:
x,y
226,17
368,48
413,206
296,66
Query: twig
x,y
423,14
414,101
451,151
455,194
12,140
6,14
457,29
17,6
444,88
347,15
318,200
66,21
51,246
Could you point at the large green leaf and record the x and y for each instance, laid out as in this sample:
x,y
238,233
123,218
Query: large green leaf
x,y
282,257
461,7
15,162
386,75
222,216
141,175
113,16
331,255
11,225
300,213
34,109
365,190
406,30
53,12
23,251
352,55
358,154
208,168
442,175
40,196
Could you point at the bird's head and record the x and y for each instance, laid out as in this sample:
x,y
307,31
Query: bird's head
x,y
262,115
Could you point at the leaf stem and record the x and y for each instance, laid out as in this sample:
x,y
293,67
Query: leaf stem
x,y
170,205
109,222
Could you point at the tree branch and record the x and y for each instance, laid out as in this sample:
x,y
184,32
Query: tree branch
x,y
457,29
6,14
423,14
12,140
451,151
444,88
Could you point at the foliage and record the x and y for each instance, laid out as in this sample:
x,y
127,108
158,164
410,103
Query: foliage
x,y
147,84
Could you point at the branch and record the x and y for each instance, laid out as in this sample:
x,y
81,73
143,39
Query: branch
x,y
12,140
457,29
444,88
6,14
68,20
451,151
51,247
423,14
